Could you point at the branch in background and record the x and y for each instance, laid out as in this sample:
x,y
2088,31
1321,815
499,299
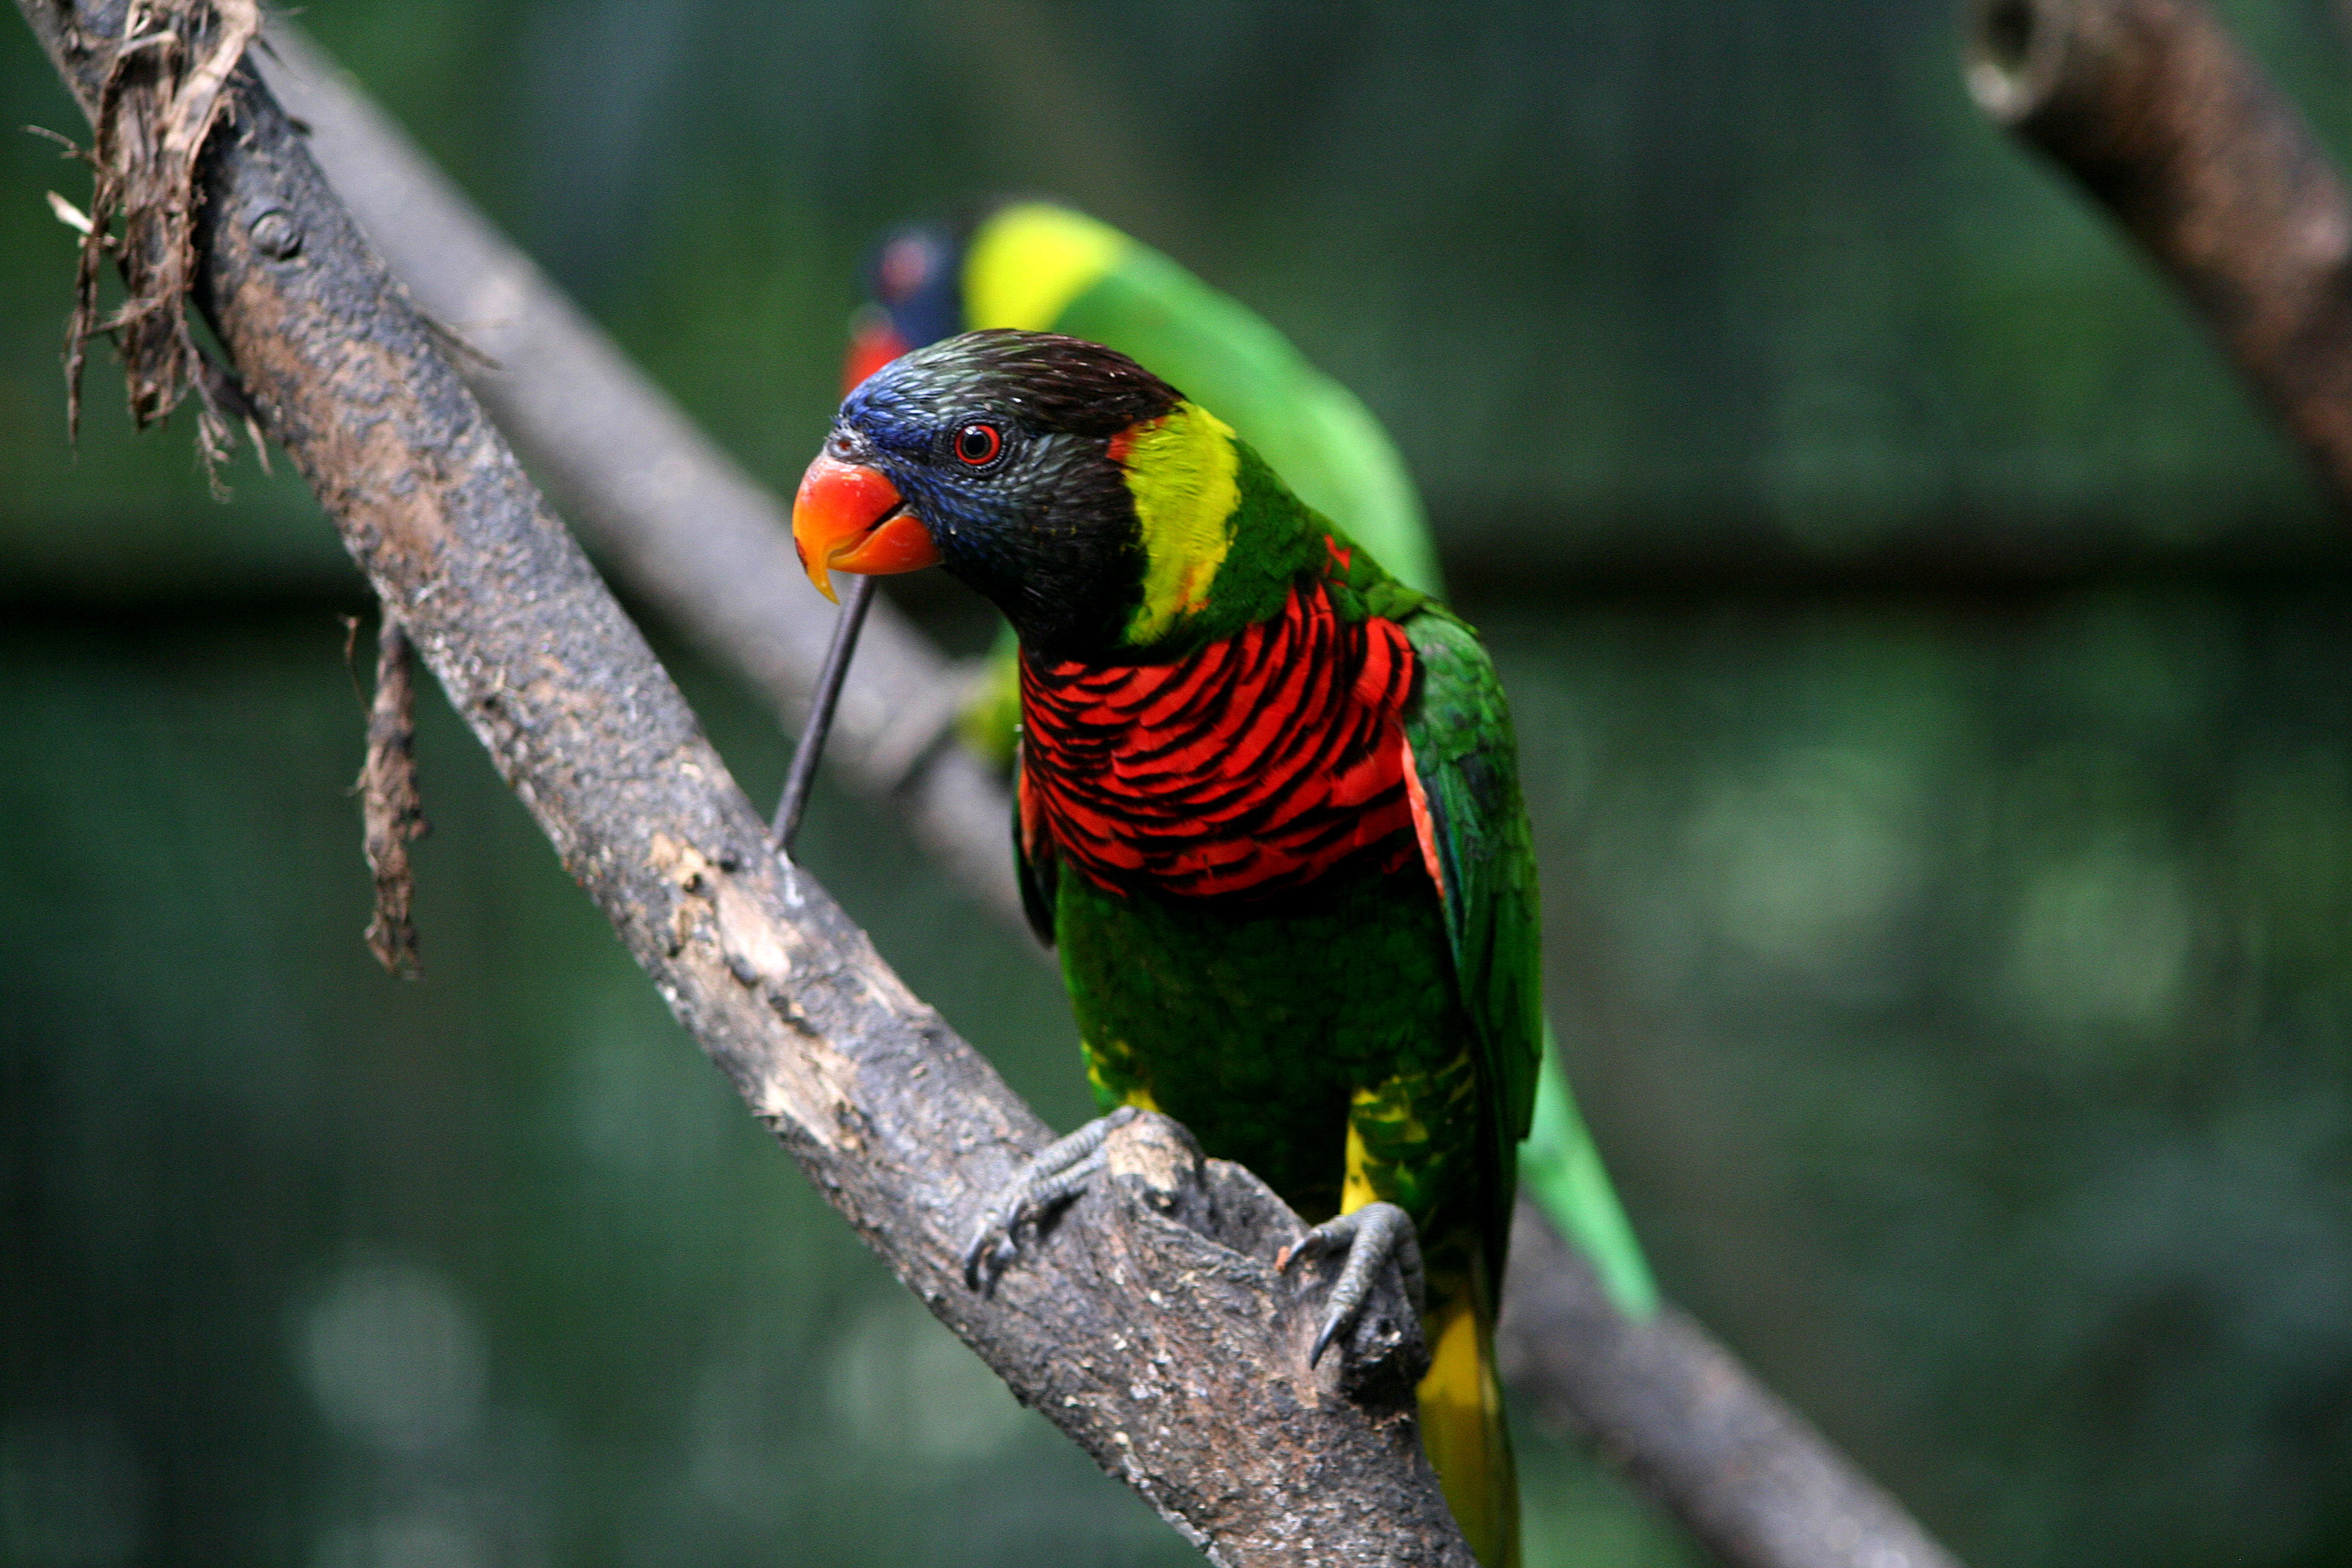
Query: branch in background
x,y
1203,1401
2155,109
698,537
1750,1476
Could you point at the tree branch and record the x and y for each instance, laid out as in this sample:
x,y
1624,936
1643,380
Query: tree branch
x,y
1153,1328
2152,106
699,538
1750,1476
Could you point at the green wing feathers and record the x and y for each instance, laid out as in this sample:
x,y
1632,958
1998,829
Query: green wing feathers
x,y
1462,750
1466,757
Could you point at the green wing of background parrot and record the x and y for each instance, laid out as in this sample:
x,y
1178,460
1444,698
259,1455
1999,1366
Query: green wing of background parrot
x,y
1044,268
1563,1172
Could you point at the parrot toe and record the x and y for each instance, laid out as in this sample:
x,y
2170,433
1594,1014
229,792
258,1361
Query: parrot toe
x,y
1052,1176
1370,1236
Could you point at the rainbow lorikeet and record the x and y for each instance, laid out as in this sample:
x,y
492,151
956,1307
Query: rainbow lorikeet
x,y
1041,266
1268,810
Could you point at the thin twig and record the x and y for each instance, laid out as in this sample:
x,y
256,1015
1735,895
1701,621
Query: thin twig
x,y
802,776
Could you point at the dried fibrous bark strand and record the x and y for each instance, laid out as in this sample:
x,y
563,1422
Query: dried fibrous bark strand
x,y
164,88
391,812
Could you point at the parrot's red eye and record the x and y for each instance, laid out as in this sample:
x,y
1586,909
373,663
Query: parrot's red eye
x,y
977,444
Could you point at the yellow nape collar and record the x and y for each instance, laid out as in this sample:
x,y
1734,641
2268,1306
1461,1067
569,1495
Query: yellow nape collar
x,y
1180,469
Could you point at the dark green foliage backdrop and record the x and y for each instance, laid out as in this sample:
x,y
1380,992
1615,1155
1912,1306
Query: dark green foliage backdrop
x,y
1929,667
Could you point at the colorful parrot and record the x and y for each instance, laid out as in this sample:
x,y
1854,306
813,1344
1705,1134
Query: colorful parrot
x,y
1041,266
1267,810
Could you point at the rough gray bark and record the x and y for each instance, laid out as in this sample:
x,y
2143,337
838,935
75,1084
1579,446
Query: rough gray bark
x,y
699,538
1151,1327
2153,107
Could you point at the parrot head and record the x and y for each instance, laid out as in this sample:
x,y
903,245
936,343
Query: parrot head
x,y
1007,262
915,286
991,455
1074,489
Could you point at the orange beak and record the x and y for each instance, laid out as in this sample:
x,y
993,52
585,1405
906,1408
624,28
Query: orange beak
x,y
850,518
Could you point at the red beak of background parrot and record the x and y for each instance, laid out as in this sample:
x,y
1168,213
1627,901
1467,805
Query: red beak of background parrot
x,y
850,518
873,343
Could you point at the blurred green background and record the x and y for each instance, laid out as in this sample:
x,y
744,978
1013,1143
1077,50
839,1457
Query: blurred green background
x,y
1931,669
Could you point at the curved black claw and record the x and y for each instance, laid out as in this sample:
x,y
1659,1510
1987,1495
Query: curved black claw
x,y
1371,1235
1056,1174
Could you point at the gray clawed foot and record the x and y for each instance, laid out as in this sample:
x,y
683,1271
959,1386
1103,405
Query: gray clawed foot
x,y
1370,1236
1055,1174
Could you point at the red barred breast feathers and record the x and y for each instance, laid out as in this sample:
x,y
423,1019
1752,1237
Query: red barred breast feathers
x,y
1254,765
